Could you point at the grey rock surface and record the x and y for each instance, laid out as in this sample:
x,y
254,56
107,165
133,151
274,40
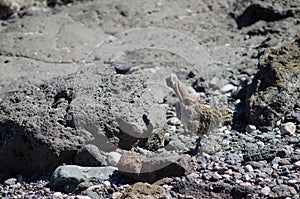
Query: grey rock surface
x,y
90,155
72,175
56,118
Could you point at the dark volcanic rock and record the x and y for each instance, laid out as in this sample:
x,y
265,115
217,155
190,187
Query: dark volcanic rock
x,y
249,12
36,132
275,88
90,155
44,124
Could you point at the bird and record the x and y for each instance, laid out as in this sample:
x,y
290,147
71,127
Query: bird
x,y
196,115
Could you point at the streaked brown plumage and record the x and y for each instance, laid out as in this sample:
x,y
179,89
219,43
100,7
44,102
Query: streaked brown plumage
x,y
195,114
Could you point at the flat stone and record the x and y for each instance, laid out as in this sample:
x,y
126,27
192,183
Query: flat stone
x,y
227,88
70,175
154,167
143,190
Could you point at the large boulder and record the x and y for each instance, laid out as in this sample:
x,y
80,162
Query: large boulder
x,y
276,87
44,123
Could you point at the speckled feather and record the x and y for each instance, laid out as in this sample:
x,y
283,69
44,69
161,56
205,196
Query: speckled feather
x,y
196,115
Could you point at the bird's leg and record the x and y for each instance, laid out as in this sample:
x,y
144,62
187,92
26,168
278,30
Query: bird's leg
x,y
196,150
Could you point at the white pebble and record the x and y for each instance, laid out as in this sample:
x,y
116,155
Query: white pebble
x,y
246,184
260,144
173,121
292,182
249,168
288,128
107,183
217,176
116,195
227,88
250,128
57,195
265,191
297,164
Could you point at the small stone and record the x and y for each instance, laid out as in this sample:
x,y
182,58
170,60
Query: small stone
x,y
194,175
260,144
84,185
57,195
116,195
18,185
292,182
215,83
288,128
265,191
65,177
246,184
95,187
248,71
250,128
174,121
297,164
123,69
229,172
227,88
216,176
226,176
113,158
249,168
80,197
107,183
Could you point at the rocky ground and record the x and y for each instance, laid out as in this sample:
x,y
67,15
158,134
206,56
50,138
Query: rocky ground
x,y
85,111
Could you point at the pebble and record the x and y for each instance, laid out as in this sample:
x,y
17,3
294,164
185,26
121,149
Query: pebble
x,y
173,121
227,88
297,164
246,184
57,195
249,168
250,128
265,191
292,182
288,128
116,195
260,144
216,176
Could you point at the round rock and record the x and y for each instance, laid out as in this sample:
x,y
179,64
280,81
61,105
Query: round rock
x,y
288,128
90,155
